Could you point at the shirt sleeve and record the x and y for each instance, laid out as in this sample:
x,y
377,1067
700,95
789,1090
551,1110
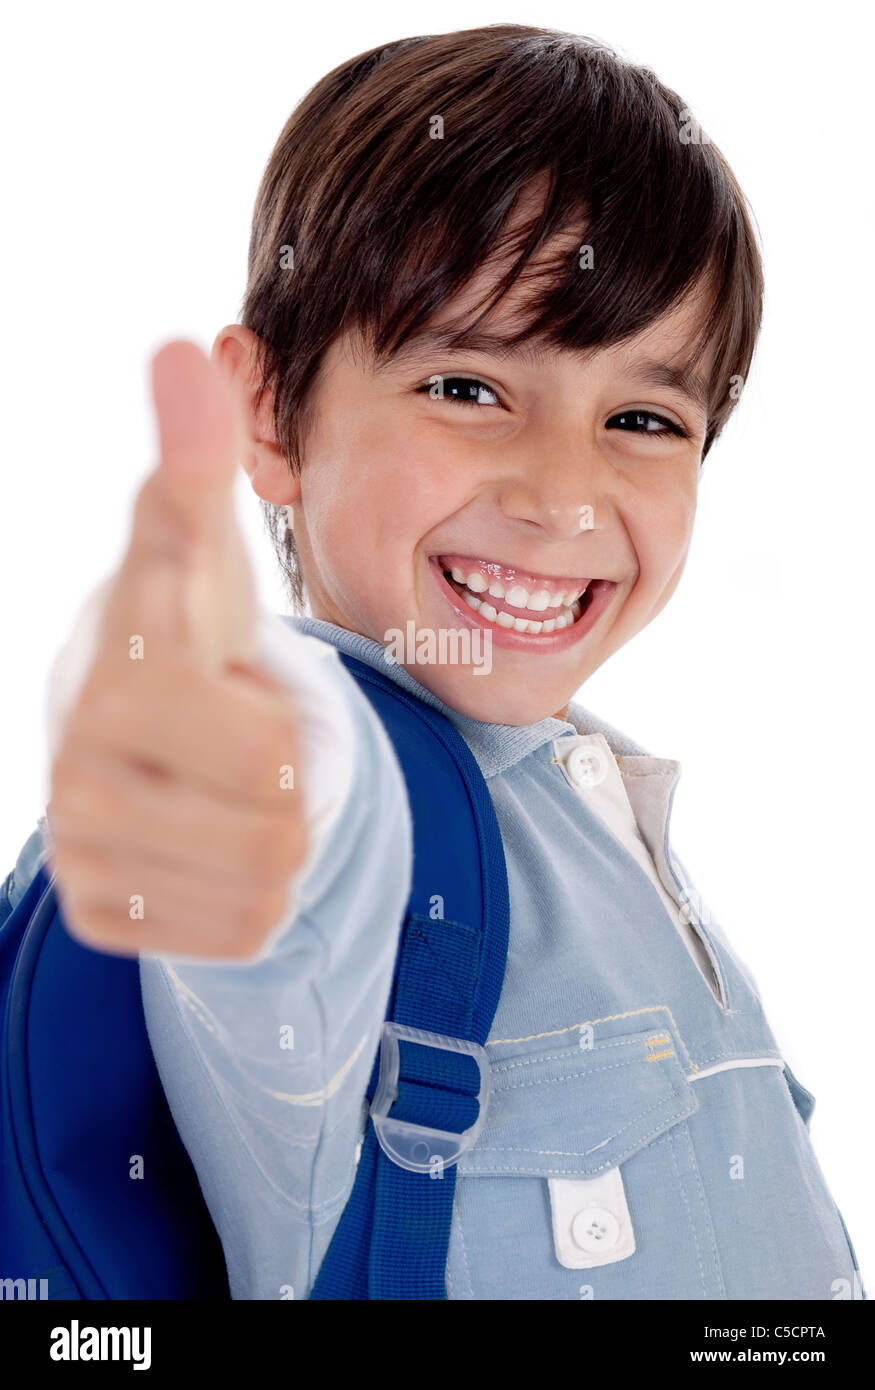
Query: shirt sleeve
x,y
265,1063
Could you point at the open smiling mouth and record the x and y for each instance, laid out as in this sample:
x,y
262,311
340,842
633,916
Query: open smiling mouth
x,y
521,604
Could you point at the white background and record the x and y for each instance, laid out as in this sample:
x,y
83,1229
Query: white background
x,y
134,139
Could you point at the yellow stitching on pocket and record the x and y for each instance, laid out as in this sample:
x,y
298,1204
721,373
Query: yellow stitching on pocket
x,y
608,1018
654,1042
655,1056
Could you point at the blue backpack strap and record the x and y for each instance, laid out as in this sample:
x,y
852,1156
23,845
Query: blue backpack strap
x,y
81,1106
392,1238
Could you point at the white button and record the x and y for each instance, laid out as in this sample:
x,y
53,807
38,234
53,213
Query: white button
x,y
595,1229
592,1224
586,766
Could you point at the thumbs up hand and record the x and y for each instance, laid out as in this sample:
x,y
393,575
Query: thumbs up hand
x,y
176,819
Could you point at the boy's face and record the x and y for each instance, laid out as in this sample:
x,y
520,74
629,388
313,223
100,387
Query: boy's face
x,y
556,480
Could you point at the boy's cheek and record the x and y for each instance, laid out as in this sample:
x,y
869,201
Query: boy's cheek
x,y
661,538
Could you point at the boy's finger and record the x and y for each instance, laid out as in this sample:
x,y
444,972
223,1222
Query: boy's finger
x,y
200,430
185,579
231,736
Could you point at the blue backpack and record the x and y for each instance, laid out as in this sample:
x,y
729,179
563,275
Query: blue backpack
x,y
81,1099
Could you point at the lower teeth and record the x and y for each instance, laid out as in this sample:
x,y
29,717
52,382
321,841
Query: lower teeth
x,y
506,620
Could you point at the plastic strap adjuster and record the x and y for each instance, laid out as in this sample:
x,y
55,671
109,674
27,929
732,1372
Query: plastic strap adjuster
x,y
419,1148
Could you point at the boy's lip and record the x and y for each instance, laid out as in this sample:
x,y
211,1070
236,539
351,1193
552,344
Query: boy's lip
x,y
598,595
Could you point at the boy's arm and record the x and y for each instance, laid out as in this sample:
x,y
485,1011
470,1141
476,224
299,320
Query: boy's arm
x,y
265,909
265,1063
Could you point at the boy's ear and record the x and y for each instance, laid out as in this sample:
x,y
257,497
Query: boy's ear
x,y
234,353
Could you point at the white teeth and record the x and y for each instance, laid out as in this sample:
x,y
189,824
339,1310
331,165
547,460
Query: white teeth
x,y
505,619
517,596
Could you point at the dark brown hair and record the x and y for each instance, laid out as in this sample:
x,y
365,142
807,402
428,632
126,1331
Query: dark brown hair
x,y
388,223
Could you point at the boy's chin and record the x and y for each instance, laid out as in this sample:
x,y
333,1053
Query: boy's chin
x,y
491,696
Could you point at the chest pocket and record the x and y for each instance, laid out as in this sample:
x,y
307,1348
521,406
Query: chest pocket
x,y
583,1182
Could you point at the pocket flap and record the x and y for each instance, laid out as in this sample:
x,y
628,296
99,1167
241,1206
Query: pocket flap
x,y
565,1110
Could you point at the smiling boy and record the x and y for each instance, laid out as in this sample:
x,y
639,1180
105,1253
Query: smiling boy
x,y
479,401
507,477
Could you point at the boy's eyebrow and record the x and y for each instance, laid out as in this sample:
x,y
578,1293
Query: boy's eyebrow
x,y
650,372
440,339
683,379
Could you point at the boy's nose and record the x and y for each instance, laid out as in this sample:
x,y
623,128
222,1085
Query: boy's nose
x,y
555,495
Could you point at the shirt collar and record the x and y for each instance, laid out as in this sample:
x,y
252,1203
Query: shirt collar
x,y
496,747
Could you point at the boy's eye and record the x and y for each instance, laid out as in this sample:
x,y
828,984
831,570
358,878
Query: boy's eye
x,y
463,390
646,422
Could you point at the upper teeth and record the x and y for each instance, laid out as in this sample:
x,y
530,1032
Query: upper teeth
x,y
517,595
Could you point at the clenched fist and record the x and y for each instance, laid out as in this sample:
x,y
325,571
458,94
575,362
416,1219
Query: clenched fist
x,y
176,819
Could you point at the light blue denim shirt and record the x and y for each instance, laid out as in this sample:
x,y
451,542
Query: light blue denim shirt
x,y
644,1137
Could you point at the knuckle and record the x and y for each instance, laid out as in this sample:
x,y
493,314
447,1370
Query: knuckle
x,y
271,846
85,920
85,873
80,795
263,751
285,734
300,843
238,949
287,750
156,534
276,906
247,755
